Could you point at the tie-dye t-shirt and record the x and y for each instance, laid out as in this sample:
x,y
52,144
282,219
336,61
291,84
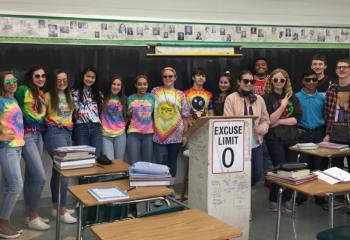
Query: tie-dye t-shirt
x,y
33,120
112,120
169,110
200,101
140,109
61,117
86,111
11,121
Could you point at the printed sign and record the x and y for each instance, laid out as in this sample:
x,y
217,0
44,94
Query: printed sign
x,y
227,146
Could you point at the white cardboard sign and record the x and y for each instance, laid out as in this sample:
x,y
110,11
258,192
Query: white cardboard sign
x,y
227,146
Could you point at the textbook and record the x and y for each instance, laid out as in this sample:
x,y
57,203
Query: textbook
x,y
150,168
333,146
289,180
79,148
75,163
108,193
151,183
333,175
294,174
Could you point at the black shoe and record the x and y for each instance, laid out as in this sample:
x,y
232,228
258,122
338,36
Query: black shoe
x,y
300,200
321,200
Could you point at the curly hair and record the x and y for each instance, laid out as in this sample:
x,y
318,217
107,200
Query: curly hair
x,y
287,86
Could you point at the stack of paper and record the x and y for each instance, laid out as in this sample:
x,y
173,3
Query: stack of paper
x,y
290,180
71,157
306,146
334,146
108,194
149,174
333,175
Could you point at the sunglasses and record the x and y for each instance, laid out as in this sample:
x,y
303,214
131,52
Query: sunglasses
x,y
342,67
246,81
276,80
168,76
8,82
40,76
310,79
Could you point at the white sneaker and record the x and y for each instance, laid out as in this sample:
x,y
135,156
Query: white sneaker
x,y
54,211
45,220
158,203
67,218
37,224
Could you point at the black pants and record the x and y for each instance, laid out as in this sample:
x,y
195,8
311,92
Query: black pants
x,y
280,153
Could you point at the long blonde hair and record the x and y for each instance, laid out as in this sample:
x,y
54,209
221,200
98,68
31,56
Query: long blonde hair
x,y
287,86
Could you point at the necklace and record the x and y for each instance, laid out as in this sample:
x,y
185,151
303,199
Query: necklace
x,y
166,109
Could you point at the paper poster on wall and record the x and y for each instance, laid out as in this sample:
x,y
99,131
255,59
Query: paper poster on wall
x,y
227,146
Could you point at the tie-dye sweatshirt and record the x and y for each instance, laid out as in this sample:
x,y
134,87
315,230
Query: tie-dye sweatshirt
x,y
33,120
141,109
63,116
112,120
169,110
11,121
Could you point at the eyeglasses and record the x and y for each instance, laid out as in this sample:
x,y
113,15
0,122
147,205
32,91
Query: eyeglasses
x,y
169,76
8,82
40,76
342,67
62,80
276,80
310,79
246,81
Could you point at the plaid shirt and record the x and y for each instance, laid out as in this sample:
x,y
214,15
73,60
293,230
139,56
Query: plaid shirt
x,y
330,107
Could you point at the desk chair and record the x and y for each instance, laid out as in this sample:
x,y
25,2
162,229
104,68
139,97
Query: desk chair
x,y
337,233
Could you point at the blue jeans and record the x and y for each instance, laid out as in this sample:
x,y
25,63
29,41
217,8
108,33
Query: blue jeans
x,y
35,175
280,153
88,134
57,137
167,154
257,164
114,147
11,180
140,147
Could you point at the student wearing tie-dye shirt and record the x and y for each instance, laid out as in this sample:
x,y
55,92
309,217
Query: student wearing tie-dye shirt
x,y
32,102
140,131
170,120
59,125
11,142
112,120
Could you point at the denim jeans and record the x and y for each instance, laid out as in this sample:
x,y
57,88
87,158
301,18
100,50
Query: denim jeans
x,y
88,134
114,147
167,154
280,153
57,137
35,175
257,164
11,180
140,147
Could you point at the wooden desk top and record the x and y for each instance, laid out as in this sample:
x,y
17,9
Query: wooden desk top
x,y
322,152
317,187
83,196
117,166
188,224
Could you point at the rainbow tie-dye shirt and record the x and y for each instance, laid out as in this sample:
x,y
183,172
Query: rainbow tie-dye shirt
x,y
140,109
11,121
62,117
112,120
169,110
33,120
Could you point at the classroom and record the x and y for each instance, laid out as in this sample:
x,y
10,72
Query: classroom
x,y
221,92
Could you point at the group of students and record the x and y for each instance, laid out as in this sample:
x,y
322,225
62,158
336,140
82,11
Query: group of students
x,y
148,124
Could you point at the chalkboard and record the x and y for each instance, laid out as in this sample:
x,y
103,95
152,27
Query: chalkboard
x,y
129,61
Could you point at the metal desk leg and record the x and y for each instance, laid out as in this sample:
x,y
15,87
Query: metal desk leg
x,y
58,222
329,162
79,229
293,203
279,201
331,209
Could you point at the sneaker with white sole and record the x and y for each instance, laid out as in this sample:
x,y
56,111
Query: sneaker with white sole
x,y
54,211
37,224
10,236
158,203
67,218
45,220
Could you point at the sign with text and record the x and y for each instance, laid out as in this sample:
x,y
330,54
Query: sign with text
x,y
227,146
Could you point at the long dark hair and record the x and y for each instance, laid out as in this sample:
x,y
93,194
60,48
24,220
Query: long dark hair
x,y
121,94
28,81
233,85
96,95
54,99
2,79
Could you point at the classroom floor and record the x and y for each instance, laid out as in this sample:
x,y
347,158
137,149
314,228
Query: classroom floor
x,y
310,219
